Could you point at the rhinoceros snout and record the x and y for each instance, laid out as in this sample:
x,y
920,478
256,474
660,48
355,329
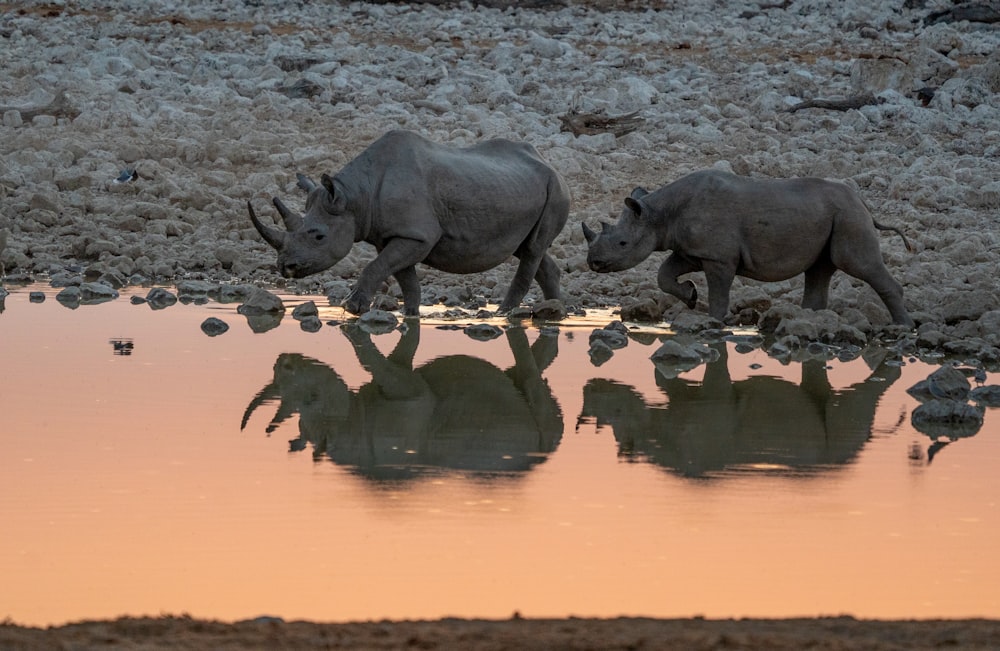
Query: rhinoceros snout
x,y
292,270
596,264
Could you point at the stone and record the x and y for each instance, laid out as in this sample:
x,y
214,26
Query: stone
x,y
948,383
599,352
612,338
673,358
642,311
482,331
91,293
160,298
214,327
692,322
549,310
195,289
988,396
310,323
951,419
259,301
304,310
70,297
378,321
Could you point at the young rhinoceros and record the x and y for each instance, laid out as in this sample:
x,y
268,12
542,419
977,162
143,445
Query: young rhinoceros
x,y
460,210
768,230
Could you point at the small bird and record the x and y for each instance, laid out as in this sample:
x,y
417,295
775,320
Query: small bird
x,y
127,175
979,375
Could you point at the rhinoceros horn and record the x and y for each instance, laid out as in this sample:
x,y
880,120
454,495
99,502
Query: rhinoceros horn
x,y
591,235
271,235
293,221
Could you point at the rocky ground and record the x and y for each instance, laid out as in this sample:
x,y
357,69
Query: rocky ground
x,y
212,104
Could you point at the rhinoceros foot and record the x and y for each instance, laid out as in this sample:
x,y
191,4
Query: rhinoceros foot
x,y
692,299
357,302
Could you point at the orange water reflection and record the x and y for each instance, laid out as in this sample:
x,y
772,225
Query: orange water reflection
x,y
128,487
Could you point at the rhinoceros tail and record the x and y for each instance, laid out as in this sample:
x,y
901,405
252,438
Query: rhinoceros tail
x,y
906,242
882,227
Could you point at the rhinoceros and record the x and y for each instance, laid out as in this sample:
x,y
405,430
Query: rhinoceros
x,y
460,210
765,229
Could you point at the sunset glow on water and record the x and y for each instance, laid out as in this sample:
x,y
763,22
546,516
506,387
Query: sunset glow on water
x,y
480,479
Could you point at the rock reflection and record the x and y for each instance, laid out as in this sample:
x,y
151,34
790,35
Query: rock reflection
x,y
453,412
761,422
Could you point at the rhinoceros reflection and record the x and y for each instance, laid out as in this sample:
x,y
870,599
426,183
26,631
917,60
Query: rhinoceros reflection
x,y
457,411
759,422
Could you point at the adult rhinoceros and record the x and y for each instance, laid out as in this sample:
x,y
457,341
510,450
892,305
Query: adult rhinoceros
x,y
764,229
460,210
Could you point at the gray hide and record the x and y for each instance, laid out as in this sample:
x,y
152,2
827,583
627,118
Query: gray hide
x,y
768,230
458,210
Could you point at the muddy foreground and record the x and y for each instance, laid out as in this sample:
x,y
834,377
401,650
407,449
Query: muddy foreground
x,y
840,633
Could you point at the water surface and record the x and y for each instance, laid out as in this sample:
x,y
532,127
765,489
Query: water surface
x,y
146,468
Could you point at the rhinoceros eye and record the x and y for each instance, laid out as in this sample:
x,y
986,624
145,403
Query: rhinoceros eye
x,y
316,234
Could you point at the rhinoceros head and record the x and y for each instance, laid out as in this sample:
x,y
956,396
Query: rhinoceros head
x,y
315,241
624,244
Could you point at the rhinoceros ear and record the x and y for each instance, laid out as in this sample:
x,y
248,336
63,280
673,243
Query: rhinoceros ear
x,y
634,206
327,182
337,199
305,182
638,193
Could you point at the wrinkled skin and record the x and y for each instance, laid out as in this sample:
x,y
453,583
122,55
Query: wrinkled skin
x,y
460,210
767,230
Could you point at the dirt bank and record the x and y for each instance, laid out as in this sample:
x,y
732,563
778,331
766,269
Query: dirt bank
x,y
839,634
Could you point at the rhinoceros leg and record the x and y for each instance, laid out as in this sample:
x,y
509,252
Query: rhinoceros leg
x,y
410,286
720,280
534,261
859,255
548,277
528,265
396,255
817,285
890,291
677,265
